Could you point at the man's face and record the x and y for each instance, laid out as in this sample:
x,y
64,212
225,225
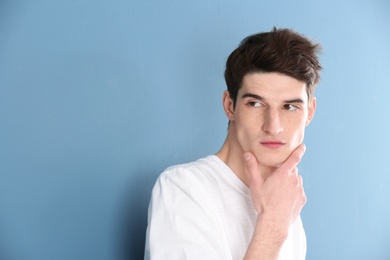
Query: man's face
x,y
270,116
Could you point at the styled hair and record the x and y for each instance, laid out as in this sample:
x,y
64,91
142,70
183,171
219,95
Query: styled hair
x,y
280,50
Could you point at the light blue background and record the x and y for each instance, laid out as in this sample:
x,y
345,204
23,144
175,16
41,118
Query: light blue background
x,y
98,97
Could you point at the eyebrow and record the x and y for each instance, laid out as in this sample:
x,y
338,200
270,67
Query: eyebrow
x,y
250,95
295,100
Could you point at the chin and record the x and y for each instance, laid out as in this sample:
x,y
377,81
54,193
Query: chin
x,y
274,160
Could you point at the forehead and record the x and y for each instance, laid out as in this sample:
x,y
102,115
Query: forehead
x,y
273,85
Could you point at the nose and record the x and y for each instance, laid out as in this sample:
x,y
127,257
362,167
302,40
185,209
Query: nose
x,y
272,122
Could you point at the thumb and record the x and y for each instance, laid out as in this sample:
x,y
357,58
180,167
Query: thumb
x,y
252,166
293,160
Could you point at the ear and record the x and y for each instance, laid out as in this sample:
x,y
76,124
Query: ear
x,y
228,105
311,110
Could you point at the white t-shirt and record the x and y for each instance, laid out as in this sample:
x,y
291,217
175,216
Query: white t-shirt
x,y
202,210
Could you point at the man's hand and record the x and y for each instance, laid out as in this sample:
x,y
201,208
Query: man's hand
x,y
278,201
281,196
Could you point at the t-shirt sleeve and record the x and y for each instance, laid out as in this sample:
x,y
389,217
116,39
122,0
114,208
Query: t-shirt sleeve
x,y
182,223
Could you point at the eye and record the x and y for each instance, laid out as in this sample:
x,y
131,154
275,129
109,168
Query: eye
x,y
255,104
290,107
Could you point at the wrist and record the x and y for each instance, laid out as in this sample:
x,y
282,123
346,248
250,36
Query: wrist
x,y
267,240
272,228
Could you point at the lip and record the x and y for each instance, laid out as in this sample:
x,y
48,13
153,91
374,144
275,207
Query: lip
x,y
272,144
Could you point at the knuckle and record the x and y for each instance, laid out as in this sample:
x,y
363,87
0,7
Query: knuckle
x,y
304,199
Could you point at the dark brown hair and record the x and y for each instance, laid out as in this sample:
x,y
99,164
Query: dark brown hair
x,y
281,50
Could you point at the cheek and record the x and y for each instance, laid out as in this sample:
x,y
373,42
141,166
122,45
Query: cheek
x,y
298,133
247,129
294,125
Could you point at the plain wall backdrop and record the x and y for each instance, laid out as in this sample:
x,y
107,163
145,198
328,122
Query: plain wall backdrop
x,y
98,97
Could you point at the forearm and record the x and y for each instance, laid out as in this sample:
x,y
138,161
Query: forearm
x,y
267,239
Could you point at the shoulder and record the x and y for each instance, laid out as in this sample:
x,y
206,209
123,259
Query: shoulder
x,y
200,168
201,173
185,186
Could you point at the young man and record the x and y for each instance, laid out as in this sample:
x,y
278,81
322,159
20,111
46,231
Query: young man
x,y
244,202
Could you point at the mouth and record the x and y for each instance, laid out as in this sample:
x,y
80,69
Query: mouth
x,y
272,144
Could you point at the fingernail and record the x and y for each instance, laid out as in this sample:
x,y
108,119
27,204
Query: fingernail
x,y
304,147
247,156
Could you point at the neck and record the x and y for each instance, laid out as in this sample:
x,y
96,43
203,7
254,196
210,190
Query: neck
x,y
232,154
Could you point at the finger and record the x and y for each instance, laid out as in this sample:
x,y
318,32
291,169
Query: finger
x,y
304,197
294,171
294,174
294,158
300,181
253,169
